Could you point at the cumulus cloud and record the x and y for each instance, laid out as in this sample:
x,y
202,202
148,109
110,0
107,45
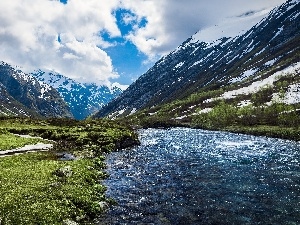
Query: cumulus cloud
x,y
61,37
171,22
67,37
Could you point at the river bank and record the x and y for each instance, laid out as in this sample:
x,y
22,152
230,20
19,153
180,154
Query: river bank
x,y
40,188
289,133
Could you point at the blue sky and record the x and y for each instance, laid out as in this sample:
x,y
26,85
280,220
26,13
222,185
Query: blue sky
x,y
109,41
128,61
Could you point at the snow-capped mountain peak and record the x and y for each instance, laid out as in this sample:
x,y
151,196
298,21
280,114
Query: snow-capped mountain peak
x,y
229,28
84,99
234,52
26,96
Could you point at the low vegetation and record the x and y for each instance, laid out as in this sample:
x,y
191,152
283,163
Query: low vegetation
x,y
40,188
11,141
258,113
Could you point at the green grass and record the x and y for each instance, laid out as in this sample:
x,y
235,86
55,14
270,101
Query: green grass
x,y
11,141
32,189
291,133
32,194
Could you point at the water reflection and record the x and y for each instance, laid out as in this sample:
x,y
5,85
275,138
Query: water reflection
x,y
188,176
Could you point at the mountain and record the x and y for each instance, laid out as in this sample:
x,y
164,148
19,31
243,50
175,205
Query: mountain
x,y
83,99
226,63
23,95
10,107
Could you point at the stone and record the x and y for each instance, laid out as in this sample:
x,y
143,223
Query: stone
x,y
63,172
69,222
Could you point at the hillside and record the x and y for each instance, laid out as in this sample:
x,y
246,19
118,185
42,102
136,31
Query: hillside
x,y
271,100
203,70
10,107
23,95
83,99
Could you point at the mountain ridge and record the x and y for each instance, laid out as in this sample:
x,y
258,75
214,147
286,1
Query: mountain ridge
x,y
23,95
83,99
270,45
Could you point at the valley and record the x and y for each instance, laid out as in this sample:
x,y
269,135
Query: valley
x,y
208,135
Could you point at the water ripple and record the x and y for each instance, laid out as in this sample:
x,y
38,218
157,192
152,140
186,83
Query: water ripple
x,y
189,176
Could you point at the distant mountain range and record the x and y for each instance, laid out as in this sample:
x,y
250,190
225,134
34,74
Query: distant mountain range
x,y
83,99
49,94
23,95
254,68
255,57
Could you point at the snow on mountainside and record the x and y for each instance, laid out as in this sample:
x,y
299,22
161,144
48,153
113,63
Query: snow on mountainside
x,y
229,28
23,95
83,99
10,107
202,63
269,81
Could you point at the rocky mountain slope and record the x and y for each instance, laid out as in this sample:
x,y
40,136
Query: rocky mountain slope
x,y
83,99
229,63
10,107
23,95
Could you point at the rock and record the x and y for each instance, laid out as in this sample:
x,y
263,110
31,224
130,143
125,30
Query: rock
x,y
69,222
63,172
66,156
103,205
127,142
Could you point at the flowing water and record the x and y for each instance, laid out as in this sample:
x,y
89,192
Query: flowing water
x,y
189,176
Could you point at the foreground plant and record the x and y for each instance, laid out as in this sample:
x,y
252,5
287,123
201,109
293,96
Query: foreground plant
x,y
11,141
38,188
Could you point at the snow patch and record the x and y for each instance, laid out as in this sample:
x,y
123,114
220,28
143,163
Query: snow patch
x,y
179,65
44,89
230,27
132,111
256,86
118,85
206,110
292,96
121,111
261,51
277,33
244,76
196,63
244,103
270,63
295,16
180,117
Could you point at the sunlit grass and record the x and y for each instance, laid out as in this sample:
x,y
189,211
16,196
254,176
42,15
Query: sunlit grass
x,y
11,141
31,193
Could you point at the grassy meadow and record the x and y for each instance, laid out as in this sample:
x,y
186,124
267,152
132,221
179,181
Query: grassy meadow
x,y
38,188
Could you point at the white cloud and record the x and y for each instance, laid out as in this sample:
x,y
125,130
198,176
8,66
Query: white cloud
x,y
171,22
65,37
30,32
129,18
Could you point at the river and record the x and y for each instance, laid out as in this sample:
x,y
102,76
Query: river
x,y
191,176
